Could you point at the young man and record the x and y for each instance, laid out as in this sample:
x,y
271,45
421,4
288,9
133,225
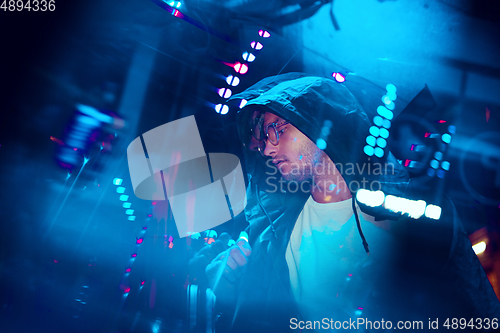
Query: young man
x,y
315,259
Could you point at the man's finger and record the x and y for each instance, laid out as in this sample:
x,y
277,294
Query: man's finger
x,y
245,247
238,256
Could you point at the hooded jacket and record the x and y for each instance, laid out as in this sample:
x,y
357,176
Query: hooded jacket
x,y
427,270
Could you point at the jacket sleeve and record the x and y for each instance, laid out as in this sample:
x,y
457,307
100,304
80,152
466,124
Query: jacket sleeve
x,y
465,272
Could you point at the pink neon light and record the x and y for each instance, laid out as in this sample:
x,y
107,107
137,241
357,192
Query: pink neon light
x,y
139,240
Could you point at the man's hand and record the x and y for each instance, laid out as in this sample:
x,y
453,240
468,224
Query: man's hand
x,y
227,268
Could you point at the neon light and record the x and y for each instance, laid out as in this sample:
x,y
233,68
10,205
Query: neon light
x,y
224,110
371,140
368,150
479,247
123,197
384,112
139,240
243,103
225,93
117,181
321,144
377,120
384,133
338,77
120,189
379,152
446,138
452,129
131,218
248,57
129,212
433,212
381,142
445,165
391,88
441,121
438,155
264,33
256,45
370,198
375,131
127,205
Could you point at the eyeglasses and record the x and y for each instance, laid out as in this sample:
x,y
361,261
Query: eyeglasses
x,y
270,133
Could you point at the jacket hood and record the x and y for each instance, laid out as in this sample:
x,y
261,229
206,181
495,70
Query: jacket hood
x,y
330,116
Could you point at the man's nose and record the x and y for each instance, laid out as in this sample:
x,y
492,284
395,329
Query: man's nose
x,y
270,149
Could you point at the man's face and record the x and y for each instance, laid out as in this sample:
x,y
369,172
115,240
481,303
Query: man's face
x,y
295,154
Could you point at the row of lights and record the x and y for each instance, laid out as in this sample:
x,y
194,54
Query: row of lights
x,y
123,197
379,133
133,256
240,68
437,165
414,208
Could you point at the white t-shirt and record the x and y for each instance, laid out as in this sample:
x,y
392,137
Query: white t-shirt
x,y
325,253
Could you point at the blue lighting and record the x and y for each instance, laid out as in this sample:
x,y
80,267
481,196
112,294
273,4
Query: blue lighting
x,y
248,57
452,129
117,181
431,172
243,103
445,165
440,173
438,155
233,80
370,140
300,157
377,120
446,138
392,96
381,142
384,112
332,186
386,99
131,218
120,189
374,131
390,106
222,109
387,123
321,144
368,150
391,88
123,197
127,205
379,152
384,133
129,211
434,164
